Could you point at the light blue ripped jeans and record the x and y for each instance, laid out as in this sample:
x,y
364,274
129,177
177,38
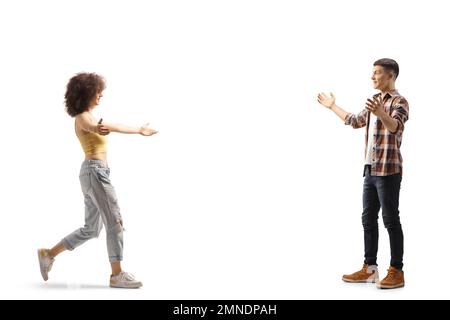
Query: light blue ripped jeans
x,y
101,207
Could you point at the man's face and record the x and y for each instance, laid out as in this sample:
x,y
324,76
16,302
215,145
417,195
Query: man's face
x,y
381,78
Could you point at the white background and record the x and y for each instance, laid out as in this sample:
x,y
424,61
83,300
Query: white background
x,y
251,190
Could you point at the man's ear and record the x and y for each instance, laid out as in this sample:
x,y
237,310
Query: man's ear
x,y
392,75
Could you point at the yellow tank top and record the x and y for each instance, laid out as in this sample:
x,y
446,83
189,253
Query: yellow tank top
x,y
93,143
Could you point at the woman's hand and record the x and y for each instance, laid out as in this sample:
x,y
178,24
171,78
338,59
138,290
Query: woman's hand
x,y
88,123
101,129
146,131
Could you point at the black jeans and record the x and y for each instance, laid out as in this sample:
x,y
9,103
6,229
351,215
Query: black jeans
x,y
382,192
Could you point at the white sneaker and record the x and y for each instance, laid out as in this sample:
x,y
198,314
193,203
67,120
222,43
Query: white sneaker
x,y
124,280
45,262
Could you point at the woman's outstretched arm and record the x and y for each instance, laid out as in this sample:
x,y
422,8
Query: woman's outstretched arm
x,y
144,130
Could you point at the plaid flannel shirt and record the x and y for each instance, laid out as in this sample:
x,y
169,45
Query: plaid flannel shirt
x,y
386,157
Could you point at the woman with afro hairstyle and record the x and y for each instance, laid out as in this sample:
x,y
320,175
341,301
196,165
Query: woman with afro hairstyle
x,y
83,94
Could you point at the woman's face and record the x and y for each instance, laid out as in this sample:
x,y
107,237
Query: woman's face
x,y
96,99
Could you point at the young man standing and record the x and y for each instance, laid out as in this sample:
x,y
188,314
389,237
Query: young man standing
x,y
384,118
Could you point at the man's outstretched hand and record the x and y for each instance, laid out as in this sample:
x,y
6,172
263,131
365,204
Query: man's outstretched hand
x,y
375,106
325,100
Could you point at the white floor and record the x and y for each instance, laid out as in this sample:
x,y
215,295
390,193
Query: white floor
x,y
289,266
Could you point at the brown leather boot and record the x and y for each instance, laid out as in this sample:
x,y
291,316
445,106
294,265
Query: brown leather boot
x,y
394,279
368,274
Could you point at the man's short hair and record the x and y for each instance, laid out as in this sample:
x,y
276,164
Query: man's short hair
x,y
389,65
